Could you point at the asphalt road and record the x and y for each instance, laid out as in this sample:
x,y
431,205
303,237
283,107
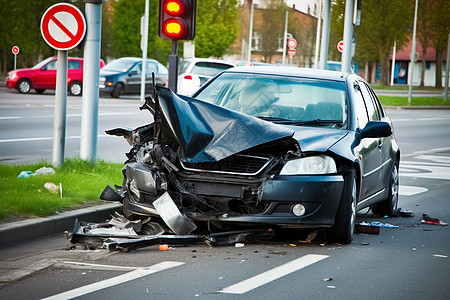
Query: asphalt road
x,y
408,262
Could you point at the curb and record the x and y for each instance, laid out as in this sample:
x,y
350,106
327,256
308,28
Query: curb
x,y
39,227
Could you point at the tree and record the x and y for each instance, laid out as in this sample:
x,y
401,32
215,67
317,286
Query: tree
x,y
20,26
217,27
382,23
425,13
440,24
273,20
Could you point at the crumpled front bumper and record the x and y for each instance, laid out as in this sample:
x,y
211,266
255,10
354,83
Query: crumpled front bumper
x,y
319,194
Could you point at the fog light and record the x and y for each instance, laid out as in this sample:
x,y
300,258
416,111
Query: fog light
x,y
298,210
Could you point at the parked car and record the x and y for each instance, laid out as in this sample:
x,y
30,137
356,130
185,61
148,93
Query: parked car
x,y
43,76
194,72
264,146
123,76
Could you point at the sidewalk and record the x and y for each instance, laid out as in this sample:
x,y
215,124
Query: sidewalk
x,y
11,233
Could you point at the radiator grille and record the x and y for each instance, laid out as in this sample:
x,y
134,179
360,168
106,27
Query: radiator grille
x,y
237,164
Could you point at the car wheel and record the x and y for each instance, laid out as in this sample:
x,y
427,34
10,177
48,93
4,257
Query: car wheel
x,y
23,86
75,88
117,91
389,206
39,91
344,224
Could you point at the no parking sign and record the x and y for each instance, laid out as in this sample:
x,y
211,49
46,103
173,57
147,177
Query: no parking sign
x,y
63,26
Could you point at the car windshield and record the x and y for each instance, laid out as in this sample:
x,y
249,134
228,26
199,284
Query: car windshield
x,y
280,99
204,68
119,65
42,63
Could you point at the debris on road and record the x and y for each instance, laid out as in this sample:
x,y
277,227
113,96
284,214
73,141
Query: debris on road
x,y
432,221
404,213
41,171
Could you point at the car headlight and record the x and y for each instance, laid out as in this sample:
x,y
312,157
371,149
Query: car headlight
x,y
12,75
312,165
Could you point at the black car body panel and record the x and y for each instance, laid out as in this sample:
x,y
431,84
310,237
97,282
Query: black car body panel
x,y
226,168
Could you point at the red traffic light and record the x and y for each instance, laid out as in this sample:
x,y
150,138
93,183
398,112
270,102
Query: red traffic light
x,y
177,19
173,8
174,29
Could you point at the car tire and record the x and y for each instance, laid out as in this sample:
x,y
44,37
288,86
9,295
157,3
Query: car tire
x,y
23,86
344,223
389,206
39,91
117,91
75,88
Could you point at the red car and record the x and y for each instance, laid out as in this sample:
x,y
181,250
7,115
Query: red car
x,y
43,76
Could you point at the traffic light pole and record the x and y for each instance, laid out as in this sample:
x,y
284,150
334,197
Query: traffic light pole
x,y
173,67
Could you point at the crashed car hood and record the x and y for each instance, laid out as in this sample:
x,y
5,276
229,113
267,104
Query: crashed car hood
x,y
204,132
317,138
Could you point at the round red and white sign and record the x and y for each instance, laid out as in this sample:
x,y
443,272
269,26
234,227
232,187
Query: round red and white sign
x,y
15,50
63,26
340,46
292,43
291,51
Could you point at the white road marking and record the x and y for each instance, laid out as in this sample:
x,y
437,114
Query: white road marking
x,y
115,280
273,274
411,190
47,138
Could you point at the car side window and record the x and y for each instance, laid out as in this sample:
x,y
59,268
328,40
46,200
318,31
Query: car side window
x,y
151,68
74,64
50,66
137,68
376,101
370,105
360,109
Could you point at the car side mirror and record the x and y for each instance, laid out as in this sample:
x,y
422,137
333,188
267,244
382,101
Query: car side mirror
x,y
376,129
132,73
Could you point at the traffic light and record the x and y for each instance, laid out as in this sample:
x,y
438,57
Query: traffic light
x,y
177,19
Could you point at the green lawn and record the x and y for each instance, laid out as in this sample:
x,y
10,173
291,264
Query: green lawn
x,y
82,183
415,101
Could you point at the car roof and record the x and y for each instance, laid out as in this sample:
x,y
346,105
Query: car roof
x,y
291,71
196,59
130,58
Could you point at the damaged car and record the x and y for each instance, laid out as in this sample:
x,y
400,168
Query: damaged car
x,y
262,147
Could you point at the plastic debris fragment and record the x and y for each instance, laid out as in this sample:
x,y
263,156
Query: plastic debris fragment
x,y
25,174
432,221
51,187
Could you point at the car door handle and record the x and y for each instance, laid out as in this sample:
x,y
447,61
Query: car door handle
x,y
380,144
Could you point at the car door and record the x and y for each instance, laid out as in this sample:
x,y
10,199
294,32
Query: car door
x,y
369,150
133,80
150,68
45,78
74,71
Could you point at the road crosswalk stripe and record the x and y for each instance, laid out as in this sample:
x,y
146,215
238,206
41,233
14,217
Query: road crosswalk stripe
x,y
273,274
115,280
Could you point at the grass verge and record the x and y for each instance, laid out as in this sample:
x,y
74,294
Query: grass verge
x,y
415,101
82,183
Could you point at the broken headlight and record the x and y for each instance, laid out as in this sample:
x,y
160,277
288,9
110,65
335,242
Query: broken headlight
x,y
312,165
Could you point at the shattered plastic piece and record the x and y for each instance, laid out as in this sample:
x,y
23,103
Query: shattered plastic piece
x,y
25,174
367,228
384,225
328,279
163,247
169,212
439,255
45,171
51,187
432,221
239,245
405,213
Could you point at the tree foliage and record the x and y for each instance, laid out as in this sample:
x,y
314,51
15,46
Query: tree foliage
x,y
217,27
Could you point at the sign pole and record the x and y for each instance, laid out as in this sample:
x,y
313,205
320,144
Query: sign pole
x,y
15,60
91,80
59,123
63,27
